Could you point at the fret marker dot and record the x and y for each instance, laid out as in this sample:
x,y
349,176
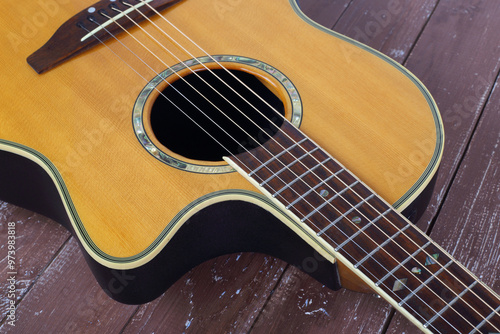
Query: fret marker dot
x,y
416,270
400,284
431,259
91,10
324,193
356,220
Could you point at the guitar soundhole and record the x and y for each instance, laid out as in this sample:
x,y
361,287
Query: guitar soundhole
x,y
209,121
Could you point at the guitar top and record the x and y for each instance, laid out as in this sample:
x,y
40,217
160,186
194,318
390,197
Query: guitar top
x,y
81,114
130,171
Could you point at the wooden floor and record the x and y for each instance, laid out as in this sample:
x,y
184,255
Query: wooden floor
x,y
453,46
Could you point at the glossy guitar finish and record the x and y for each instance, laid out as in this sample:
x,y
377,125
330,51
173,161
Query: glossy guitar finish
x,y
68,147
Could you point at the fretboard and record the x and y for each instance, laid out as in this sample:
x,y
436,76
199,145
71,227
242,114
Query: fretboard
x,y
360,229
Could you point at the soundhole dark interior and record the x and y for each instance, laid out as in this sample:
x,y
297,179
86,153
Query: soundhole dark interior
x,y
209,121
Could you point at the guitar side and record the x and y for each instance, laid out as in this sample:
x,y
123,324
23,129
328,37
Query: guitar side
x,y
147,201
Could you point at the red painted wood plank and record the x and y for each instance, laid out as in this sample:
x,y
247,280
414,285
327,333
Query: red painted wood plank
x,y
224,295
67,299
302,305
37,242
391,27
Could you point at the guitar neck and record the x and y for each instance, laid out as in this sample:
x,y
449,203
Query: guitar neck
x,y
354,225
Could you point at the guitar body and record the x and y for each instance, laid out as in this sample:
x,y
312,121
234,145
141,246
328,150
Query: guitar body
x,y
69,148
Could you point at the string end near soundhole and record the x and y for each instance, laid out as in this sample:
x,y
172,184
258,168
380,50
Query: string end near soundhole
x,y
79,34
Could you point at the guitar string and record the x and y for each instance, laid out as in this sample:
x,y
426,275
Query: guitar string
x,y
141,44
247,167
116,9
199,47
170,52
411,308
456,262
181,77
242,83
337,210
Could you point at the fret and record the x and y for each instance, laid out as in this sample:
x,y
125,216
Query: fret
x,y
309,191
412,256
288,166
288,185
380,246
345,214
328,201
482,323
361,230
424,284
440,313
275,157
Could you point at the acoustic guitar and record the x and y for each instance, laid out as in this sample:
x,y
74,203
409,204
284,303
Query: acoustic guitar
x,y
162,133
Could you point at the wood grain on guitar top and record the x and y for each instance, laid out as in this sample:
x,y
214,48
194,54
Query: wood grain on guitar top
x,y
83,113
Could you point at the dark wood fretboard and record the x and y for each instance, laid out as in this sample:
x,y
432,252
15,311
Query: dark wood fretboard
x,y
360,229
